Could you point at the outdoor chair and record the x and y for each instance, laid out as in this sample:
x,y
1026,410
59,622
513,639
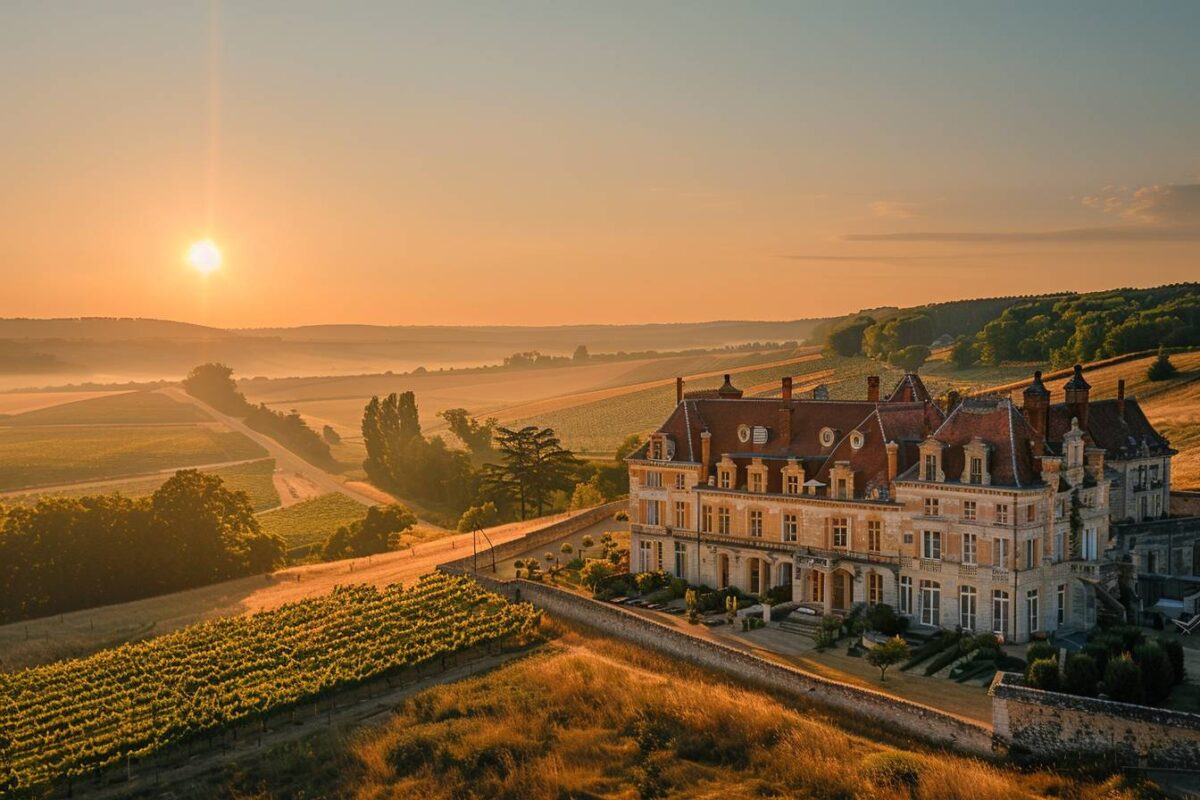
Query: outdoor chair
x,y
1187,626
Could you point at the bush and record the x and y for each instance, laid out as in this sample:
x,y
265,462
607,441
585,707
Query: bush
x,y
1099,653
575,563
1043,674
1174,651
621,516
1123,681
594,573
481,516
1080,675
650,581
893,770
883,618
1158,676
678,588
1162,369
1039,651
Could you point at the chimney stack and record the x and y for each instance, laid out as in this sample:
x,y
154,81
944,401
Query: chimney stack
x,y
1037,407
1121,398
1077,390
873,388
705,454
893,453
787,388
678,391
953,398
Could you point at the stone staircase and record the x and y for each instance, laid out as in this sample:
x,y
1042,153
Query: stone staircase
x,y
802,623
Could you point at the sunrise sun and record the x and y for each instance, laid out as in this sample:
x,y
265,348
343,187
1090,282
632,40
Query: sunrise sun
x,y
204,256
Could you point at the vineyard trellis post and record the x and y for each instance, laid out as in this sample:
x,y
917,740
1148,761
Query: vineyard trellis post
x,y
475,548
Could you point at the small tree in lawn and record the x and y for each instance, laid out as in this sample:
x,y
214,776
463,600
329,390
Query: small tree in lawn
x,y
1162,369
518,565
594,572
586,543
884,655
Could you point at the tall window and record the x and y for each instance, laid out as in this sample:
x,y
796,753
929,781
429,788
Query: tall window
x,y
1031,605
906,595
932,506
1031,553
1089,544
874,588
658,552
726,479
654,480
999,612
874,535
706,519
723,521
969,545
645,556
681,507
841,488
756,482
931,544
1002,513
1000,553
931,603
1060,544
791,484
969,509
976,470
680,481
841,532
791,527
652,517
967,597
680,560
930,467
1061,611
756,523
1031,514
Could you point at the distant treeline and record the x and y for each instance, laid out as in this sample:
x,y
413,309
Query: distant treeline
x,y
64,554
213,383
1055,329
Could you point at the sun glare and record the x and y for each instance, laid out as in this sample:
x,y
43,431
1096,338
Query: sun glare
x,y
204,256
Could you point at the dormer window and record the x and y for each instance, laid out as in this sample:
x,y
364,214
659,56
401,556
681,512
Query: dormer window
x,y
975,462
931,461
793,477
791,484
662,447
841,481
756,476
727,473
756,482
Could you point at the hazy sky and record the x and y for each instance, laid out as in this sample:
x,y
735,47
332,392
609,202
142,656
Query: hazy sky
x,y
589,162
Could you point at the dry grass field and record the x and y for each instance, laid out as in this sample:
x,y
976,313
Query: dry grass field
x,y
587,717
126,408
22,402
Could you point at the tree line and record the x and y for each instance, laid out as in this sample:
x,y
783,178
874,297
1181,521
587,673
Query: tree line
x,y
1056,329
500,474
214,384
64,554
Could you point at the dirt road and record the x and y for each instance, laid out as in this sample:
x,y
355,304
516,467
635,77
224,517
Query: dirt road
x,y
286,461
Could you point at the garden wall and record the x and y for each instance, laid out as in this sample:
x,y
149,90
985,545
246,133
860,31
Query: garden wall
x,y
893,713
1052,725
542,536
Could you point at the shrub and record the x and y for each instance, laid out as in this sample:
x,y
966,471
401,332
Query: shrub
x,y
594,572
481,516
1123,681
650,581
621,516
882,656
1174,651
678,587
1043,674
1099,653
883,618
1162,369
893,770
567,548
1080,675
1158,676
575,563
1039,651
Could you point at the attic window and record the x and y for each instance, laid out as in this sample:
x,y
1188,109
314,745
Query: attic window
x,y
857,440
827,437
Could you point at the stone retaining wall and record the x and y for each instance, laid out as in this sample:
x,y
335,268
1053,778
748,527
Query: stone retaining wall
x,y
894,713
541,536
1052,725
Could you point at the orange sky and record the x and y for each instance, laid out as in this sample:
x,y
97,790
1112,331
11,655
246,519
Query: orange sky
x,y
592,163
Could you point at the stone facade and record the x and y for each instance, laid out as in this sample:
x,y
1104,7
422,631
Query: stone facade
x,y
983,516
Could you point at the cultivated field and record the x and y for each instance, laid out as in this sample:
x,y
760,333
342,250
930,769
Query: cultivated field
x,y
255,478
32,456
81,633
307,524
22,402
127,408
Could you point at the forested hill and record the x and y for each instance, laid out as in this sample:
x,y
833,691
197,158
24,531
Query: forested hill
x,y
1056,329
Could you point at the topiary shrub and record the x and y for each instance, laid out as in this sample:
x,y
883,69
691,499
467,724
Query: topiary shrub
x,y
1039,651
1158,676
883,618
1043,674
1123,681
893,770
1080,675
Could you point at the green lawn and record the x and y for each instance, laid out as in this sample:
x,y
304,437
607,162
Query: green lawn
x,y
306,525
42,456
130,408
